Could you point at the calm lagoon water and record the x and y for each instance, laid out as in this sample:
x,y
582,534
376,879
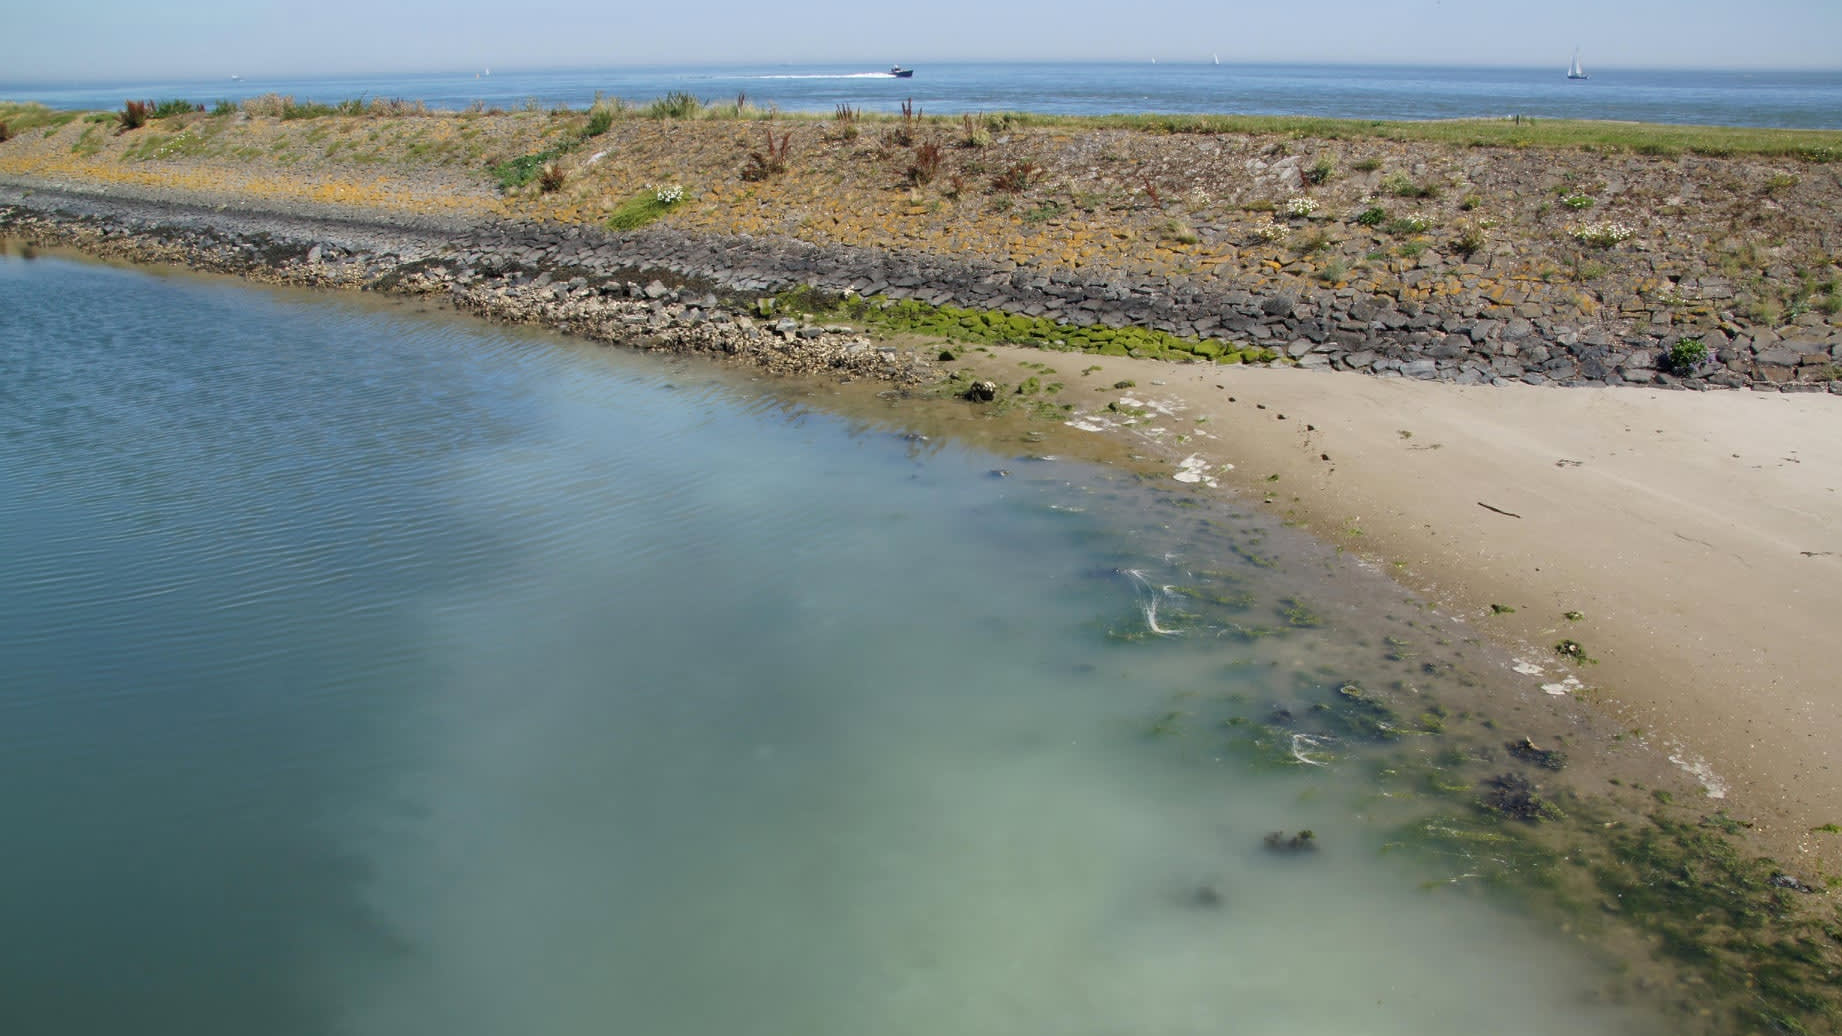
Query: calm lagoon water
x,y
372,672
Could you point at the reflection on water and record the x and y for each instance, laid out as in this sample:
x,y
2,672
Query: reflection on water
x,y
377,674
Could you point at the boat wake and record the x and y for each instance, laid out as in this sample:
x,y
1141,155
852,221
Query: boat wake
x,y
823,75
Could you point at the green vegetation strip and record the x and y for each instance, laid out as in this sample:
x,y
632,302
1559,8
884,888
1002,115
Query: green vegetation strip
x,y
639,210
522,170
996,327
1585,134
20,118
1639,138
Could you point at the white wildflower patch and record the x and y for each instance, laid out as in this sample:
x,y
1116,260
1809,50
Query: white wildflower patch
x,y
1603,234
1300,206
1269,231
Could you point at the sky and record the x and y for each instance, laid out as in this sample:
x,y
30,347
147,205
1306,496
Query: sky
x,y
113,40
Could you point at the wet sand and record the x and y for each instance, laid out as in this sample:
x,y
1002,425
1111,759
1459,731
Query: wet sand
x,y
1697,535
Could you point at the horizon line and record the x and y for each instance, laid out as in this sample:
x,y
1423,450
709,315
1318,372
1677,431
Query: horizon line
x,y
447,69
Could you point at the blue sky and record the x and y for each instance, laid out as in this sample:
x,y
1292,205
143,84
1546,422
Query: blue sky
x,y
108,40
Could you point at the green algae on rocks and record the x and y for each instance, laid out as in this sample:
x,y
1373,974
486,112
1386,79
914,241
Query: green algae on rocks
x,y
996,327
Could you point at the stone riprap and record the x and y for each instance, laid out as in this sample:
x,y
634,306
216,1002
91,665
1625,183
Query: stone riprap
x,y
666,288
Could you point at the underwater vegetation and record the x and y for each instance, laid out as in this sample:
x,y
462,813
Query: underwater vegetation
x,y
1747,946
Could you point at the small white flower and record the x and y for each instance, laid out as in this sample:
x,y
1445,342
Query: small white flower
x,y
1603,234
669,195
1300,206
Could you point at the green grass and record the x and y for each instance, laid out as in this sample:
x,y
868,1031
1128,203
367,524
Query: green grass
x,y
185,143
1585,134
1043,213
91,141
516,172
313,110
168,109
286,108
22,117
1580,134
677,105
639,210
1402,186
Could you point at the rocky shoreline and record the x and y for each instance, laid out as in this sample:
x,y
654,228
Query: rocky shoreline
x,y
580,293
661,288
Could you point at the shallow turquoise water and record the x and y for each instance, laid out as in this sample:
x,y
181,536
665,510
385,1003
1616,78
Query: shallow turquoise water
x,y
376,672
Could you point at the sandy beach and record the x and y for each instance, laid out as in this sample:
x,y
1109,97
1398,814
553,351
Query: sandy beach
x,y
1697,535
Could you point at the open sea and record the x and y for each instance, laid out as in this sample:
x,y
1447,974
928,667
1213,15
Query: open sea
x,y
370,671
1803,99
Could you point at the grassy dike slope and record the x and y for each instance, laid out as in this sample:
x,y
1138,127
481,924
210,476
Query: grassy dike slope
x,y
1695,229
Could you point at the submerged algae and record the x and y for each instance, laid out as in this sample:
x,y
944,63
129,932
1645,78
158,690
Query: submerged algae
x,y
1749,948
1720,938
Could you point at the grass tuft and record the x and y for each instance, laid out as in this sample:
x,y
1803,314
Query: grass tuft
x,y
763,165
641,209
132,116
517,172
926,165
675,105
600,119
1016,177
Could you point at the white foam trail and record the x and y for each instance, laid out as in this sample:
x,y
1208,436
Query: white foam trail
x,y
1150,607
1148,603
822,75
1308,741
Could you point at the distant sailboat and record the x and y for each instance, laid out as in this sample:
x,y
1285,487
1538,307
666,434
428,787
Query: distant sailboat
x,y
1217,58
1574,71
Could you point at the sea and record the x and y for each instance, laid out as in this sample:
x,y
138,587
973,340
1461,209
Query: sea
x,y
368,670
1786,99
